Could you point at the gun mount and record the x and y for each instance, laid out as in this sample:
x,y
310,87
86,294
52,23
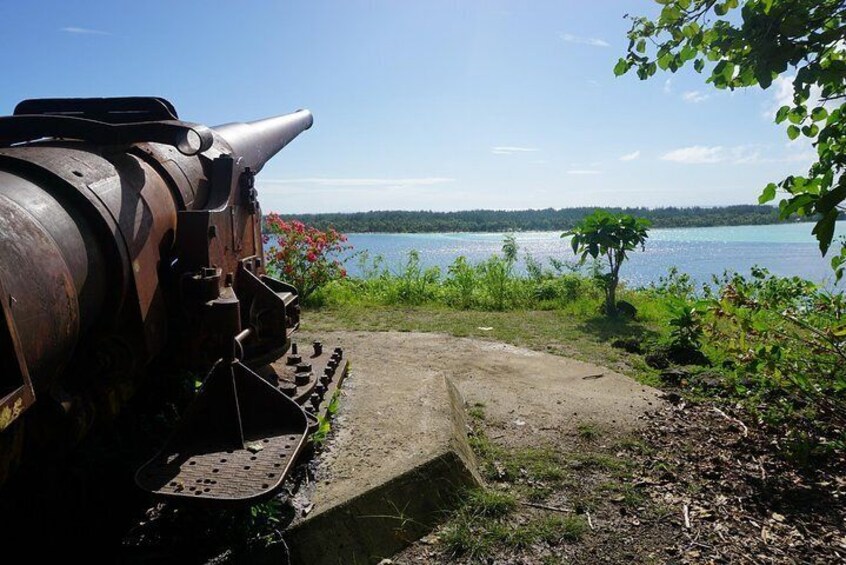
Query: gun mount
x,y
130,236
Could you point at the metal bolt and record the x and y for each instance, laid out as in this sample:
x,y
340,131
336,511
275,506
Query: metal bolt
x,y
293,348
315,400
318,348
302,378
303,367
288,388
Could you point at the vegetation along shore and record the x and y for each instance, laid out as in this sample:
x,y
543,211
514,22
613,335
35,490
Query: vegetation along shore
x,y
549,219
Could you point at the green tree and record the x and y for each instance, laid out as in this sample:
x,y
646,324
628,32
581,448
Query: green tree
x,y
611,236
748,43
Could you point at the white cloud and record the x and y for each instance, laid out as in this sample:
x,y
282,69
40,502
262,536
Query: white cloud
x,y
702,154
668,86
630,156
359,182
783,96
570,38
510,150
583,172
83,31
694,96
696,154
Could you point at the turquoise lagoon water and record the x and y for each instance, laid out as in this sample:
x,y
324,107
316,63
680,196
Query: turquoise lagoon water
x,y
784,249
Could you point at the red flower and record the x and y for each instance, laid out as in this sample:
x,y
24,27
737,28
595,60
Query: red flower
x,y
306,256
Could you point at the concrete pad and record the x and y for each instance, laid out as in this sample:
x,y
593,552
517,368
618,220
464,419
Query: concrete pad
x,y
399,453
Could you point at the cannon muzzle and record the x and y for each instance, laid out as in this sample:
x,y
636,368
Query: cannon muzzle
x,y
256,142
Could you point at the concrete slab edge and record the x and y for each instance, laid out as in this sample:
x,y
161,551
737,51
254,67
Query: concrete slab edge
x,y
387,518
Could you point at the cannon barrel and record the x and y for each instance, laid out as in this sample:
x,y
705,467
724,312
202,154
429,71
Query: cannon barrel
x,y
256,142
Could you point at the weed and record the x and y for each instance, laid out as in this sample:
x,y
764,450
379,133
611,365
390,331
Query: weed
x,y
477,411
599,461
324,425
490,503
588,431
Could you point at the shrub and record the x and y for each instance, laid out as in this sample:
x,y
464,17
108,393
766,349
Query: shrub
x,y
461,283
305,256
785,340
416,285
495,279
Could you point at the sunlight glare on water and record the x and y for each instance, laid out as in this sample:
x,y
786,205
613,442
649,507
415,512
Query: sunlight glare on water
x,y
784,249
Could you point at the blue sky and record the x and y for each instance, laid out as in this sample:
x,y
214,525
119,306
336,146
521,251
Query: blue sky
x,y
431,105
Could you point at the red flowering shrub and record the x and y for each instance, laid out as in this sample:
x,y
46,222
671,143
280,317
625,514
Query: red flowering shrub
x,y
303,255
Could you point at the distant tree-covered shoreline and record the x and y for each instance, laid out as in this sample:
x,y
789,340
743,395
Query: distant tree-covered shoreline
x,y
548,219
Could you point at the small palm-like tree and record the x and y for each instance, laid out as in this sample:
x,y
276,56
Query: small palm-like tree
x,y
611,236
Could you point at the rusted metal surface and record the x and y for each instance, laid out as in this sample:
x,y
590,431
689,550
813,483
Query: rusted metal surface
x,y
131,236
241,437
16,392
236,442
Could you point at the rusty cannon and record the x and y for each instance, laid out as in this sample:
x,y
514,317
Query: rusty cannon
x,y
130,238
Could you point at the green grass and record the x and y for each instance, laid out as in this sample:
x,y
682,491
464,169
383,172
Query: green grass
x,y
586,337
601,461
475,536
490,503
477,411
543,464
588,431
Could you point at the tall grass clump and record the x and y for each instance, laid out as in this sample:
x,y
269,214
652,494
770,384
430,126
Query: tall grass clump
x,y
492,284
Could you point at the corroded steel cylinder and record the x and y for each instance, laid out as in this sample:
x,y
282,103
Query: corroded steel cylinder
x,y
119,244
52,267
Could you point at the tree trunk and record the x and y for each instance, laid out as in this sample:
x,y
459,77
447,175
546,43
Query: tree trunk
x,y
611,289
611,298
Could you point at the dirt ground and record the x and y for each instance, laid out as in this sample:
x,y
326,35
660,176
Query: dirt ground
x,y
534,396
598,468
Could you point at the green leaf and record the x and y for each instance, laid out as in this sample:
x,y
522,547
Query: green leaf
x,y
781,115
621,67
824,230
641,46
768,194
819,114
698,65
832,198
796,204
690,30
811,130
792,132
